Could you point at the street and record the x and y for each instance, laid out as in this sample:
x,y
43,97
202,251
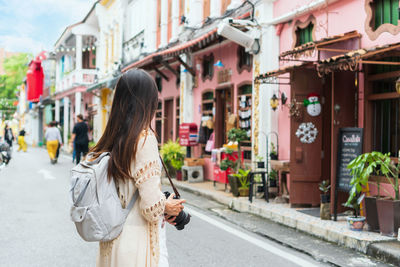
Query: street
x,y
36,229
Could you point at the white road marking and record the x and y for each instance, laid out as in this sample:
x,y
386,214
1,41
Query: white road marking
x,y
46,174
281,253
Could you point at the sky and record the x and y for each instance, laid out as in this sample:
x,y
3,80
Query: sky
x,y
35,25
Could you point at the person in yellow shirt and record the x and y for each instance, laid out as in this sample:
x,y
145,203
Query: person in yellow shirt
x,y
21,141
53,138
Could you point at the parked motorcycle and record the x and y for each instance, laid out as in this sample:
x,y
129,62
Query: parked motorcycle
x,y
5,154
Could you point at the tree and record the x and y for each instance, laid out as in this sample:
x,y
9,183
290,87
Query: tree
x,y
15,68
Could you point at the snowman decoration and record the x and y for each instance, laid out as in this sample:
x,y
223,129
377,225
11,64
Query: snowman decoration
x,y
313,105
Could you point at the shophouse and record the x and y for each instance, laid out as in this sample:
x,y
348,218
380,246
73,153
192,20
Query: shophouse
x,y
75,70
336,74
110,16
203,78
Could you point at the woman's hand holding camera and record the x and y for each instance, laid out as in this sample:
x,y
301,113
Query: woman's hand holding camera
x,y
173,206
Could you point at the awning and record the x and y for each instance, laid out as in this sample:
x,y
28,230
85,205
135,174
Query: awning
x,y
271,76
197,43
351,60
308,48
109,83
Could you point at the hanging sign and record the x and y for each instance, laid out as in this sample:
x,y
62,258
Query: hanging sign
x,y
188,134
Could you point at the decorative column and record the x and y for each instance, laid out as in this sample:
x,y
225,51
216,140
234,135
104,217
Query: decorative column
x,y
78,52
66,119
186,99
175,20
195,15
164,23
57,115
264,119
215,6
78,103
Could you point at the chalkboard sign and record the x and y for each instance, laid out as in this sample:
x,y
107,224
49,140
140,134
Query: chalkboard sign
x,y
350,145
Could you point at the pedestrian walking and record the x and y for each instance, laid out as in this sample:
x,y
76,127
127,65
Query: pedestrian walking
x,y
135,165
8,135
80,139
21,141
59,145
53,139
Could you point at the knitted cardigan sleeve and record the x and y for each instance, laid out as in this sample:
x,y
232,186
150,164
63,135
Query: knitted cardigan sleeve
x,y
147,173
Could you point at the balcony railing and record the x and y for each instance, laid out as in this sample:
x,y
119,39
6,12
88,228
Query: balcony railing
x,y
76,78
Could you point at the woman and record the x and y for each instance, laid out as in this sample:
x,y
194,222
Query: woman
x,y
53,139
8,135
135,165
21,141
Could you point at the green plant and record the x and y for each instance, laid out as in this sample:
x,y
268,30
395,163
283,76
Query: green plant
x,y
226,164
92,144
242,177
273,174
273,149
324,186
173,154
259,158
354,204
363,166
238,135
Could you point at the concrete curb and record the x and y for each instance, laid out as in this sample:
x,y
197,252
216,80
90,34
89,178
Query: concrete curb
x,y
386,251
279,213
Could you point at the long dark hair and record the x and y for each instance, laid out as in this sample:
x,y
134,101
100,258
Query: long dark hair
x,y
133,108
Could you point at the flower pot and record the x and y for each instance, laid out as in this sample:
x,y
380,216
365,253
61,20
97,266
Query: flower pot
x,y
272,183
234,184
273,156
388,216
371,214
260,165
244,192
179,175
325,211
356,223
325,198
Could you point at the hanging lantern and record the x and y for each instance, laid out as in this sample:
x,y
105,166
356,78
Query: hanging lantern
x,y
398,85
274,102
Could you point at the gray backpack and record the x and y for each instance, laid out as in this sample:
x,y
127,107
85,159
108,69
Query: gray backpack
x,y
96,209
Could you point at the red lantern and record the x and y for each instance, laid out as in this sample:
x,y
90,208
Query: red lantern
x,y
35,80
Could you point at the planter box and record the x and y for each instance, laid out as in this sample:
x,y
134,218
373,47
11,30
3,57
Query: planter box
x,y
371,214
234,184
388,216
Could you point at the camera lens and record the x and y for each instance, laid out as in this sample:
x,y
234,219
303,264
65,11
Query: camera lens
x,y
181,220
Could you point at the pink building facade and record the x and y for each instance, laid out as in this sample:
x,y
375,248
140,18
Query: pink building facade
x,y
334,50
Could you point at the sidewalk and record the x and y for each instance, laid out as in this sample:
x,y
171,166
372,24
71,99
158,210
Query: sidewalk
x,y
373,244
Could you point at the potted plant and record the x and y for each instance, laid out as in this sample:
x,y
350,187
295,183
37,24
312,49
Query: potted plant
x,y
260,162
355,222
236,135
173,155
273,154
324,187
243,181
388,208
324,213
273,176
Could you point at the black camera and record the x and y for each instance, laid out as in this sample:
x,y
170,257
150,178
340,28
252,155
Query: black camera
x,y
182,219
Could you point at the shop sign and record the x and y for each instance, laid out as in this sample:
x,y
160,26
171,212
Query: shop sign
x,y
188,134
224,76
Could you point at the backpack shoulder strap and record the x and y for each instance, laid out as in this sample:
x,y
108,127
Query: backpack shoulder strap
x,y
133,200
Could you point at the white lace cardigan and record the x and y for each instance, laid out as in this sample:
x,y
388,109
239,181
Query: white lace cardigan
x,y
138,244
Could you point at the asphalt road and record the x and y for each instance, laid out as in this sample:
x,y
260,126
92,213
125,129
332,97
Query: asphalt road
x,y
35,229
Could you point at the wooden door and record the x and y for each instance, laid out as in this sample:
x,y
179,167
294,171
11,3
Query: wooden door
x,y
305,158
168,120
223,108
